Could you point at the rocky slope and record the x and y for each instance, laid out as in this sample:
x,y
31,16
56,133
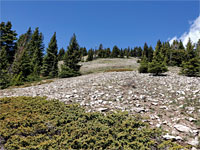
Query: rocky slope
x,y
171,102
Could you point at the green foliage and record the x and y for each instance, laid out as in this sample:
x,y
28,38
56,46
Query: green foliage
x,y
8,40
4,64
90,55
17,79
158,64
61,54
73,55
143,65
33,123
35,51
67,72
50,61
191,68
4,79
115,52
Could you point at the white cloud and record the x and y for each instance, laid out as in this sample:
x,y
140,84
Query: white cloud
x,y
193,34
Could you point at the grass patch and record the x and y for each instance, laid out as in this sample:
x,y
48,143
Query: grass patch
x,y
34,123
34,83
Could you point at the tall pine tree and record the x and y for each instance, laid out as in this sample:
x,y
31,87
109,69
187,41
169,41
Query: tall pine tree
x,y
71,59
8,40
36,49
61,54
50,62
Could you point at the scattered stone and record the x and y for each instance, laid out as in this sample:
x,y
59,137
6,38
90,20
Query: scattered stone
x,y
191,119
170,137
102,109
182,128
194,142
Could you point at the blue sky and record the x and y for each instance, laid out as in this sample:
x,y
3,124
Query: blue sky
x,y
128,23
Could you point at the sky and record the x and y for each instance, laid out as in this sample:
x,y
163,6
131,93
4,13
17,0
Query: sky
x,y
122,23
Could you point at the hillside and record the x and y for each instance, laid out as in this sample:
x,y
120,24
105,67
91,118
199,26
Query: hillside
x,y
170,102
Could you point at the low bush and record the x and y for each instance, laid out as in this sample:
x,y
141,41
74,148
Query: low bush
x,y
34,123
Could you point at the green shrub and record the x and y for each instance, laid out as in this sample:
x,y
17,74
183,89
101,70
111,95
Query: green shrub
x,y
191,68
143,66
67,72
34,123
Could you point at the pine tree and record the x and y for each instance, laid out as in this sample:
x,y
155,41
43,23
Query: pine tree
x,y
35,49
71,59
121,53
150,54
158,64
181,45
90,55
191,66
115,52
108,53
139,52
61,54
72,56
143,65
4,63
190,52
22,44
8,39
50,62
145,50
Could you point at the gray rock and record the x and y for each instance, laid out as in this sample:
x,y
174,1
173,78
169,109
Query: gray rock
x,y
182,128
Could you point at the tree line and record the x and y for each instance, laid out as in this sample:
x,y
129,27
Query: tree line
x,y
172,55
25,59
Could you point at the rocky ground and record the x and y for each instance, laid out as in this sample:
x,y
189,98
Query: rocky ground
x,y
171,102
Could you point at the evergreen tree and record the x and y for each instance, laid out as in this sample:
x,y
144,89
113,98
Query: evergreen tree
x,y
8,40
83,51
191,65
139,52
127,52
22,45
71,59
90,55
191,68
107,52
101,53
181,45
190,52
115,52
72,56
121,53
145,50
35,49
61,54
158,64
143,65
150,54
4,63
50,63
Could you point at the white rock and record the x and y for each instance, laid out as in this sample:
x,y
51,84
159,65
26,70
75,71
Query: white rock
x,y
191,119
194,142
101,109
170,137
182,128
